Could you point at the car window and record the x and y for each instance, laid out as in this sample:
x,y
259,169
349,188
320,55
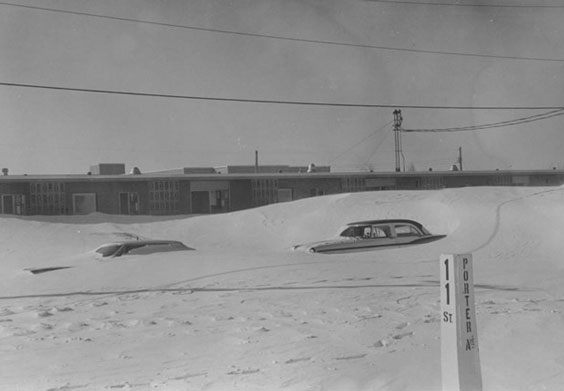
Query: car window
x,y
381,232
108,250
406,230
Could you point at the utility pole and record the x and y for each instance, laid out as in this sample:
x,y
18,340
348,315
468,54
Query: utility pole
x,y
397,135
460,158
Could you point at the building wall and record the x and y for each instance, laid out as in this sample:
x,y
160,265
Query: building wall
x,y
185,201
381,183
14,188
108,195
311,186
47,197
240,192
546,180
353,184
168,195
99,189
13,199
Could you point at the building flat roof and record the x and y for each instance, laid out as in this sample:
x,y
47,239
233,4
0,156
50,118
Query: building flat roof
x,y
242,176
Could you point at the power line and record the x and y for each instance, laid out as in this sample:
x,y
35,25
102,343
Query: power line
x,y
278,102
517,121
283,38
377,147
494,125
402,2
363,140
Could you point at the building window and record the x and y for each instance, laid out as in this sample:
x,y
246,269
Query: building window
x,y
285,195
264,191
164,197
353,184
13,204
219,201
431,182
47,198
501,180
83,203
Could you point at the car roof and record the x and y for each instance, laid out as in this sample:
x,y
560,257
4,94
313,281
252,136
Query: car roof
x,y
142,242
392,221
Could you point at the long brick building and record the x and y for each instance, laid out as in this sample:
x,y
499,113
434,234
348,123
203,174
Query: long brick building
x,y
108,189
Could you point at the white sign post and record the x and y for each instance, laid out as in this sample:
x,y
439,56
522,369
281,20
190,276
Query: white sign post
x,y
460,358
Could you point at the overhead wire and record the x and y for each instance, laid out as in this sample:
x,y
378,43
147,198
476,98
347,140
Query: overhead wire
x,y
271,101
285,38
457,4
364,140
506,123
377,147
517,121
556,110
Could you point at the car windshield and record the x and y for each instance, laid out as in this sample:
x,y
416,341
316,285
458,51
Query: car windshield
x,y
353,232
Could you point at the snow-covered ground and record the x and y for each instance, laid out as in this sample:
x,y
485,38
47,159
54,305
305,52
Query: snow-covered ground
x,y
244,312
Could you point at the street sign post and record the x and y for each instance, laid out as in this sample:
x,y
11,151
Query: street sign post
x,y
460,358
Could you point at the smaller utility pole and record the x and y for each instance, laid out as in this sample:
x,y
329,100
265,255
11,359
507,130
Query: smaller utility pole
x,y
460,158
397,135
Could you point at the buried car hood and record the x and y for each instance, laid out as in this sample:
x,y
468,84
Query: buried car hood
x,y
338,240
345,244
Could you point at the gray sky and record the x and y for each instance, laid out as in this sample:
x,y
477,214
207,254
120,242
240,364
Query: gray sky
x,y
46,131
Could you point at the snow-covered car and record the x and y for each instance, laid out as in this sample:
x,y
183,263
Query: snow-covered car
x,y
118,249
367,235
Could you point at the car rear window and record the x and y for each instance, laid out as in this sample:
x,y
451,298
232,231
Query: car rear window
x,y
407,230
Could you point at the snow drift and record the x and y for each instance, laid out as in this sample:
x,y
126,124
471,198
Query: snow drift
x,y
244,312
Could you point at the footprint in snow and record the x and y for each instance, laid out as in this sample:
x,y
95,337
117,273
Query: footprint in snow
x,y
6,312
63,309
190,375
354,357
243,371
44,313
381,343
295,360
68,387
402,325
403,335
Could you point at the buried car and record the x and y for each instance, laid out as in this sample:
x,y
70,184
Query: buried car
x,y
367,235
118,249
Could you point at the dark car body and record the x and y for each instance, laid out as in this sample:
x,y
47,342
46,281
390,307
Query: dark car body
x,y
367,235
